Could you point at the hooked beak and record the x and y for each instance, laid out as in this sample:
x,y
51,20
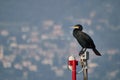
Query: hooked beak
x,y
75,27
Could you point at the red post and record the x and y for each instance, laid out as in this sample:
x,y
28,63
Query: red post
x,y
72,62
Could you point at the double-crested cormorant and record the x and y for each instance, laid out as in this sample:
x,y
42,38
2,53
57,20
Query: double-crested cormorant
x,y
84,40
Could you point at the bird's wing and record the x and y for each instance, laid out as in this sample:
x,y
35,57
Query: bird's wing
x,y
87,39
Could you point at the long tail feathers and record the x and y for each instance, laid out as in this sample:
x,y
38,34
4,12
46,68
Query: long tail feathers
x,y
96,52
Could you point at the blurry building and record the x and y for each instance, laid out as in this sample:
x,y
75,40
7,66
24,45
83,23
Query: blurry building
x,y
1,52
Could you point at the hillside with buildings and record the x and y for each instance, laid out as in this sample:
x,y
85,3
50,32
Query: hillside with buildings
x,y
36,39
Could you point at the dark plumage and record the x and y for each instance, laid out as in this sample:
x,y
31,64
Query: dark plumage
x,y
84,39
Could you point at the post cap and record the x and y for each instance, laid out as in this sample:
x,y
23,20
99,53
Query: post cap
x,y
71,58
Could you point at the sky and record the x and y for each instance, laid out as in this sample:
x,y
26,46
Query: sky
x,y
45,26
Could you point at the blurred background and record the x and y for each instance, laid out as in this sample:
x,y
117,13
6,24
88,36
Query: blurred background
x,y
36,39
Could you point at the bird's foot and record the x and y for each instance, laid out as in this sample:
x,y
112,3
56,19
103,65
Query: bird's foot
x,y
81,52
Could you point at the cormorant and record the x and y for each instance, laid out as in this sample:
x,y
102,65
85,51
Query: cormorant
x,y
84,40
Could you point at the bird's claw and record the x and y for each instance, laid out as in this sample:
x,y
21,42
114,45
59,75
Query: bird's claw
x,y
81,52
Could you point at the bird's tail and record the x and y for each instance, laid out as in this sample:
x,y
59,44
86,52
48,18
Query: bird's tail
x,y
96,52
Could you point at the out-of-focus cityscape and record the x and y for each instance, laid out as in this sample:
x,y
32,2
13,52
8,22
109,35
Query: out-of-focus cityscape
x,y
26,48
36,38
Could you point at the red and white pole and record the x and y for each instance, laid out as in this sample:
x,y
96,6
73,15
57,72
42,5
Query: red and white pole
x,y
72,62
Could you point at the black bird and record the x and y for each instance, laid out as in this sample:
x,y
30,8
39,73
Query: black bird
x,y
84,40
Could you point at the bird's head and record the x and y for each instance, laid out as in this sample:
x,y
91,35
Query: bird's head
x,y
78,26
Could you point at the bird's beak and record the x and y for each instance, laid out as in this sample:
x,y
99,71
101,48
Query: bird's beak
x,y
75,27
